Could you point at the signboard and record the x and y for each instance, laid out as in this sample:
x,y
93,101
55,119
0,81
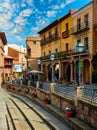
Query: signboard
x,y
52,57
17,68
80,64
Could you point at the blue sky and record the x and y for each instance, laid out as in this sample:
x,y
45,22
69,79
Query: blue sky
x,y
21,18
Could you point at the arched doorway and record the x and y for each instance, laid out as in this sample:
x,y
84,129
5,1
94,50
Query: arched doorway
x,y
86,74
66,72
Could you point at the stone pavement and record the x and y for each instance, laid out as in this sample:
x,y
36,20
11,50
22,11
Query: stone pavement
x,y
74,123
51,119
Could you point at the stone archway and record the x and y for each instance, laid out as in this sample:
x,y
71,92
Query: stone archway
x,y
66,72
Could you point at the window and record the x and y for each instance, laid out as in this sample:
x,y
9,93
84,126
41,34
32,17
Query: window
x,y
56,32
44,54
29,52
34,42
49,35
49,52
66,26
56,52
78,24
66,47
44,38
86,45
86,20
78,41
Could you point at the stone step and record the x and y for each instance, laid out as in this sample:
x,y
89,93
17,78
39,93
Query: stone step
x,y
3,113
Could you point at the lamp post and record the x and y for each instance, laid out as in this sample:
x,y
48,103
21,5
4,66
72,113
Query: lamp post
x,y
52,59
39,62
79,49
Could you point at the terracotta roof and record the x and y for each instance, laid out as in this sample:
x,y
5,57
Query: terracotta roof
x,y
3,37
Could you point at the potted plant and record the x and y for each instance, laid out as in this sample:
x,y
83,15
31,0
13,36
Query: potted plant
x,y
34,94
69,112
47,100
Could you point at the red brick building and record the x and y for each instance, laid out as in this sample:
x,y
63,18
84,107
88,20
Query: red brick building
x,y
8,64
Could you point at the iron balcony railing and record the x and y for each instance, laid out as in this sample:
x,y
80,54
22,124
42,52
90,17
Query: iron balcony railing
x,y
79,28
65,34
50,38
63,54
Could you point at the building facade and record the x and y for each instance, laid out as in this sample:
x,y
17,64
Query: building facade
x,y
94,61
74,28
82,32
56,40
3,41
8,66
19,60
33,52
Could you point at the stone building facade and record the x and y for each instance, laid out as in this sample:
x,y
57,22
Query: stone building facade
x,y
33,52
3,41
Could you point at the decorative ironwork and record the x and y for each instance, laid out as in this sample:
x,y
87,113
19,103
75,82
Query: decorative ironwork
x,y
83,27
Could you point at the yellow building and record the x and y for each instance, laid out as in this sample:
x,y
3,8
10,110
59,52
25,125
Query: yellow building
x,y
56,40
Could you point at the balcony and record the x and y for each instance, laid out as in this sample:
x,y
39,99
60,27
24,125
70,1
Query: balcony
x,y
8,64
80,28
60,55
49,39
65,54
65,34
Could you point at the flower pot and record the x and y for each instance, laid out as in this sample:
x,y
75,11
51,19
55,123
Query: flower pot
x,y
34,96
69,114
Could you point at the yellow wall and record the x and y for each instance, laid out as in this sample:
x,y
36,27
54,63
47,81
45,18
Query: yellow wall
x,y
51,46
80,14
69,39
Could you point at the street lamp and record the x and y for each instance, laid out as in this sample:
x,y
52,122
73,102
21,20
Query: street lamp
x,y
79,49
39,62
52,59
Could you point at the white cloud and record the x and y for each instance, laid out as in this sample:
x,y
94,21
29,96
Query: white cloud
x,y
26,12
20,20
17,30
62,5
29,2
51,13
35,29
69,1
6,25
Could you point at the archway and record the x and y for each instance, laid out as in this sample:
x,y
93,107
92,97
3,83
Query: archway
x,y
86,74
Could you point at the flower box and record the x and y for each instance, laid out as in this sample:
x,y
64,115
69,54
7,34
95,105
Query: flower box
x,y
34,95
69,112
47,101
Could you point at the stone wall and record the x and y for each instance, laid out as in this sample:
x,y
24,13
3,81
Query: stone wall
x,y
84,110
87,112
